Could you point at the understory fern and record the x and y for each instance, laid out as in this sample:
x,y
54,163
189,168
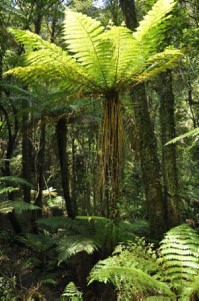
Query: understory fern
x,y
138,271
71,293
179,256
130,269
86,234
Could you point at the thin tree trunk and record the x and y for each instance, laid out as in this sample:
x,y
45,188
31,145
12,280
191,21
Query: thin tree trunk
x,y
169,168
26,158
61,133
11,141
40,163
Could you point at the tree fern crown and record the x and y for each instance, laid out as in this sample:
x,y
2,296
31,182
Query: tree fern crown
x,y
95,60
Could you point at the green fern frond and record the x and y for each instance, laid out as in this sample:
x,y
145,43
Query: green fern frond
x,y
41,242
158,63
129,279
71,291
191,133
83,38
30,40
20,206
179,253
15,180
71,245
54,222
149,26
191,289
8,190
6,207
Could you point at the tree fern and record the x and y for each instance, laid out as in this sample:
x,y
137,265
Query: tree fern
x,y
179,255
99,58
104,63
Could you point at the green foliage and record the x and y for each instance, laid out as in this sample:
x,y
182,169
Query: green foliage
x,y
71,293
40,243
7,287
19,207
15,181
191,133
130,269
71,245
87,233
138,271
179,256
101,61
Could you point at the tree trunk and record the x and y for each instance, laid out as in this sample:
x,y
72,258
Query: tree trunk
x,y
129,13
150,165
166,96
40,162
147,145
111,160
61,133
26,158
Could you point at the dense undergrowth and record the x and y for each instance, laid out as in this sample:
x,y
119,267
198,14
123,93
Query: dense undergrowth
x,y
95,258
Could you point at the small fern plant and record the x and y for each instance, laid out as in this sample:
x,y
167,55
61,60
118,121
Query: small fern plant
x,y
71,293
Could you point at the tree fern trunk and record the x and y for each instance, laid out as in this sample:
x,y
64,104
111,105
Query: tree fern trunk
x,y
111,154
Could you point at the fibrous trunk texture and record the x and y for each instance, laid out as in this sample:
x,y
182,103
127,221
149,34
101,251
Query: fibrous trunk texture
x,y
111,157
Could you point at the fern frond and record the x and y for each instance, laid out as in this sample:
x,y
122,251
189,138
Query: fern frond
x,y
15,180
71,245
54,222
191,289
71,291
39,242
128,279
83,36
124,56
8,190
191,133
179,253
149,27
30,40
6,207
158,63
48,62
20,207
